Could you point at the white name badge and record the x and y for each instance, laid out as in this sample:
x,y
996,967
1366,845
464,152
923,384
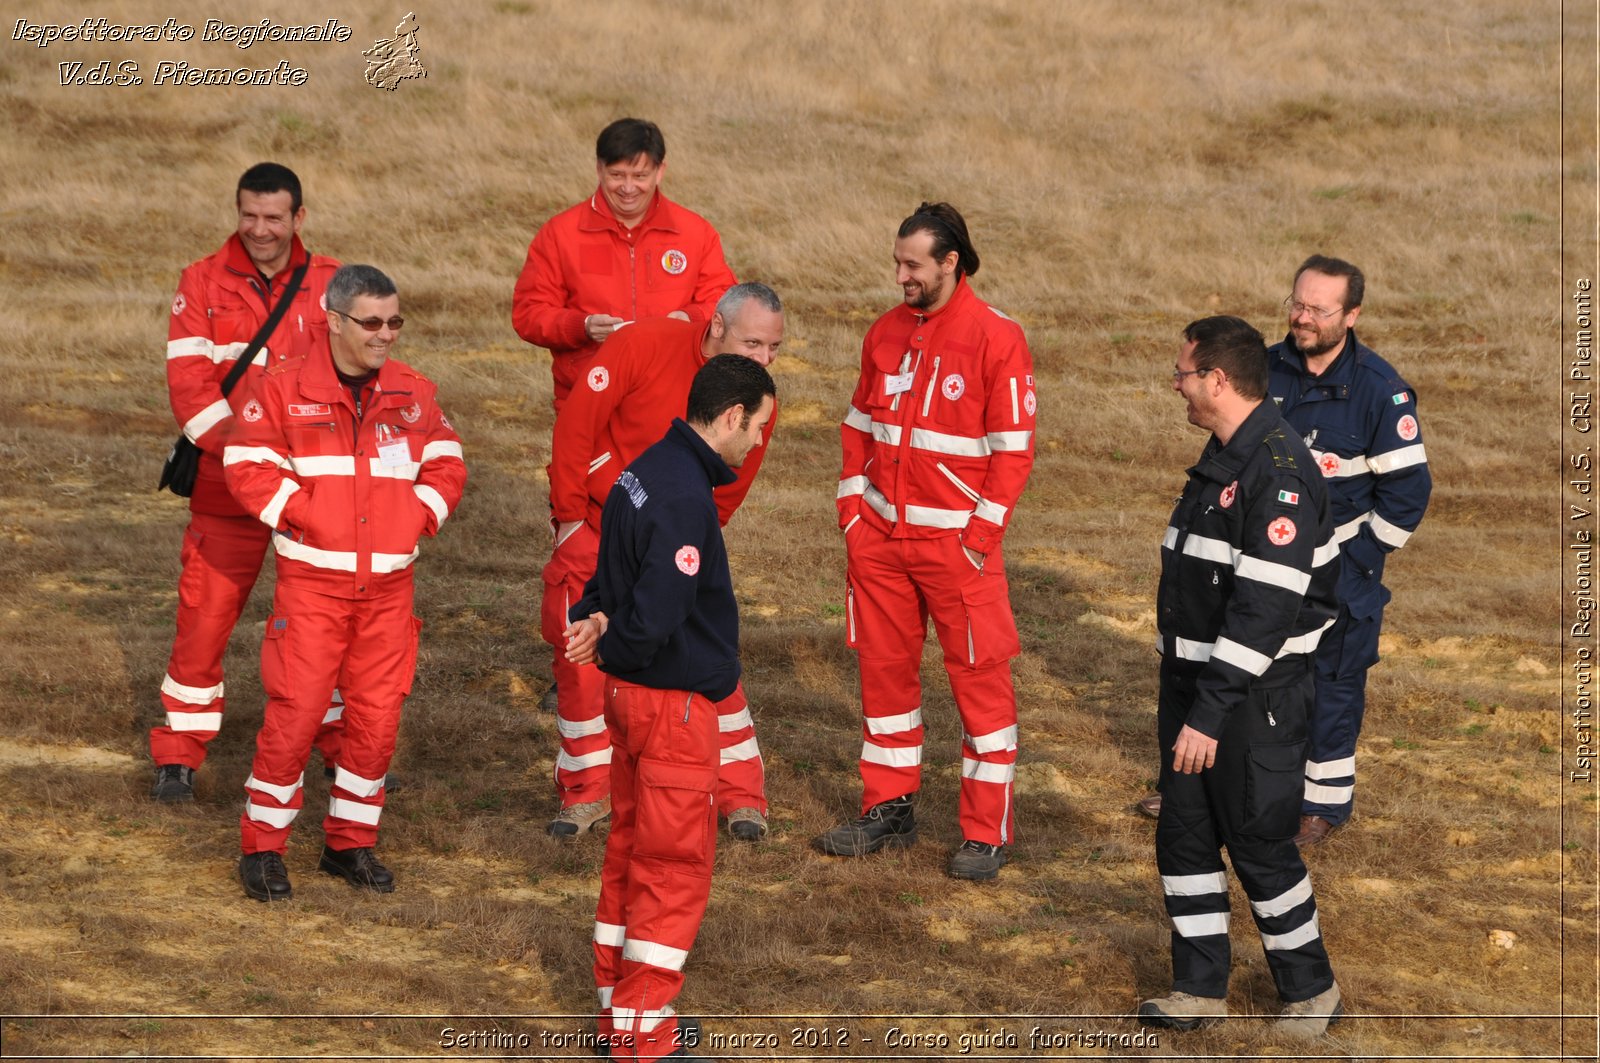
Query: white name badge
x,y
392,455
895,383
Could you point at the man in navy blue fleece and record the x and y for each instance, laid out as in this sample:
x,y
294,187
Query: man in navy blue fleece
x,y
660,620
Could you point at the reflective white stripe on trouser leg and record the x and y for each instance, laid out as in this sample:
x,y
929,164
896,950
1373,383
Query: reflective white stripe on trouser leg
x,y
354,811
282,794
361,787
1293,939
1321,771
1284,902
276,818
1200,926
574,729
627,1020
190,695
588,760
1194,885
892,756
610,934
1318,794
735,721
741,751
655,954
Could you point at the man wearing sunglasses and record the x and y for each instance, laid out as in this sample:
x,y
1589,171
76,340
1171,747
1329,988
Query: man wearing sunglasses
x,y
1359,417
346,457
223,302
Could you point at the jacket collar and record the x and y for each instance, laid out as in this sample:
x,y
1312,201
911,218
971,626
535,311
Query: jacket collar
x,y
717,471
960,299
238,260
600,219
1343,369
391,387
1223,463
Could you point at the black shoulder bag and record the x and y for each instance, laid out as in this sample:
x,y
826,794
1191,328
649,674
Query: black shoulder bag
x,y
183,461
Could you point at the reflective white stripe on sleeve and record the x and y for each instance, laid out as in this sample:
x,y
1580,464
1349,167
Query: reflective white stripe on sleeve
x,y
1317,794
236,455
1241,657
603,992
887,434
273,510
610,934
944,443
1194,885
1170,539
598,462
893,725
404,471
1350,528
982,771
892,757
1325,553
1208,549
190,695
1395,460
994,741
1010,441
189,347
207,419
1306,643
1201,926
851,485
449,448
194,721
392,562
571,729
741,751
1294,938
327,465
433,500
992,512
932,517
879,503
283,794
1331,769
230,352
1356,466
861,422
1389,534
354,811
735,721
1290,898
356,784
655,954
588,760
278,818
1270,572
332,560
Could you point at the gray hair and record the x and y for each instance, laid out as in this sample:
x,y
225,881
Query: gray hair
x,y
351,281
735,297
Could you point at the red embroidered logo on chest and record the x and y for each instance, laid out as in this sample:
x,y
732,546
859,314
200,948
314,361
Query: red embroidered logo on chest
x,y
954,387
674,262
412,413
1281,531
599,378
252,411
688,559
1226,498
1330,464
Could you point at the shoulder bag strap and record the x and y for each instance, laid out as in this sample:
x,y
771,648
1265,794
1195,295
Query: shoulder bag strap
x,y
266,330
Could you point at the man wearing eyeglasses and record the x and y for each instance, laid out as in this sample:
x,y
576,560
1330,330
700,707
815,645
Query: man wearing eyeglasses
x,y
223,301
346,457
1359,417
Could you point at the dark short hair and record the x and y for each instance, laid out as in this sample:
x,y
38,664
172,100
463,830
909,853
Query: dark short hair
x,y
949,231
348,282
1233,346
264,178
628,138
735,297
1355,283
726,381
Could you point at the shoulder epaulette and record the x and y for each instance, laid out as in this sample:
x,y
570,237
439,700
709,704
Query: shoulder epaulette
x,y
1277,441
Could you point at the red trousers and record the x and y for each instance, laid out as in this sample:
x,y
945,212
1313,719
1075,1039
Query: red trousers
x,y
583,771
314,642
895,585
221,559
656,878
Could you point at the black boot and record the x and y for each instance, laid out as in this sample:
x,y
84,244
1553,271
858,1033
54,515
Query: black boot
x,y
264,876
891,824
359,867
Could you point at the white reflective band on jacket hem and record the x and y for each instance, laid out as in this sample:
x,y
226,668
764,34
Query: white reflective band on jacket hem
x,y
994,741
1389,534
983,771
1010,441
851,485
1395,460
1294,938
404,471
272,817
1356,466
1190,650
580,728
603,993
382,563
434,501
1201,652
325,465
741,751
333,560
1201,926
735,721
449,448
1290,898
588,760
235,455
893,725
655,954
207,419
356,784
931,517
892,757
283,794
354,811
944,443
1274,574
190,695
1194,885
274,508
1208,549
194,721
189,347
610,934
627,1020
1317,794
1241,657
1331,769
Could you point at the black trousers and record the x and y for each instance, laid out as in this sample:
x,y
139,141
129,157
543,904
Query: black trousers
x,y
1249,801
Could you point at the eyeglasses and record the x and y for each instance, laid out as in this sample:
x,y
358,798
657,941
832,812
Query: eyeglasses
x,y
373,324
1296,308
1179,374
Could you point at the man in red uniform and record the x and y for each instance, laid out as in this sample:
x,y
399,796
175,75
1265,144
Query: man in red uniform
x,y
347,458
628,396
222,302
660,620
627,253
938,444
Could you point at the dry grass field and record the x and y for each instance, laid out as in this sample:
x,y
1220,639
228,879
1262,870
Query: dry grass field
x,y
1124,168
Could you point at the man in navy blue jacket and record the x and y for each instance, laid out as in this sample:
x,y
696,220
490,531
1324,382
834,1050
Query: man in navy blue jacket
x,y
659,618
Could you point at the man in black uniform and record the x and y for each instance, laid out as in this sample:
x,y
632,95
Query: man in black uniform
x,y
660,620
1248,575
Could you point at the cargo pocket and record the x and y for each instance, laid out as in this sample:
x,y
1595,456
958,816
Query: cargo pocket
x,y
408,669
991,629
675,817
1273,788
277,663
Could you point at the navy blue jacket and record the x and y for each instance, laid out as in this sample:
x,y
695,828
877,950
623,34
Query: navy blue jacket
x,y
662,578
1359,419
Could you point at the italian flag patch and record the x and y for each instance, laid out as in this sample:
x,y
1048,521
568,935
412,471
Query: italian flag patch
x,y
1402,398
1289,498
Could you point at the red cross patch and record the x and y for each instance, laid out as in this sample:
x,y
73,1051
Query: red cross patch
x,y
954,387
599,378
1226,498
412,413
1407,427
252,411
1281,531
1330,464
688,560
178,304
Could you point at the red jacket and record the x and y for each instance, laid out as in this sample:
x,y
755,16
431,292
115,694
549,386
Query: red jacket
x,y
939,437
625,400
583,261
220,304
347,499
